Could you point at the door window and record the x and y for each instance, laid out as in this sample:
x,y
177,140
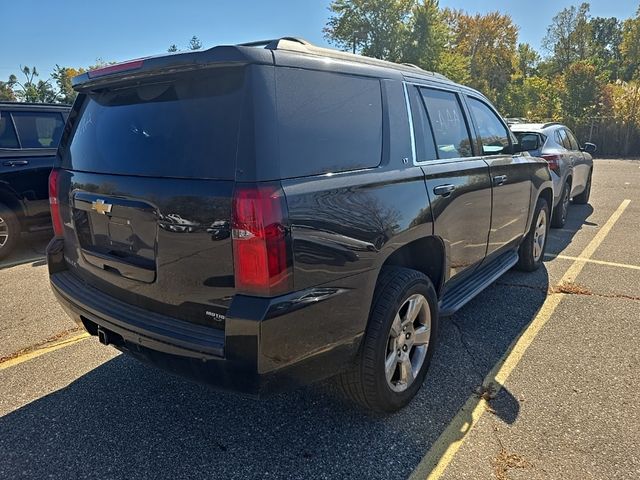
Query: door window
x,y
8,137
448,122
39,129
492,132
572,140
425,144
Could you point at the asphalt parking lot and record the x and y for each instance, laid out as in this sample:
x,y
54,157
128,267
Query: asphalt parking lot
x,y
558,353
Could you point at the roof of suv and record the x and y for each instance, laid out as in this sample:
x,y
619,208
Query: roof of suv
x,y
34,106
242,54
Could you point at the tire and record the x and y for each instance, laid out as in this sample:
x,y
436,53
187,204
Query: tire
x,y
367,382
529,256
559,217
583,198
9,230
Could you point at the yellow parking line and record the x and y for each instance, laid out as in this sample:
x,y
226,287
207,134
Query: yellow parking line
x,y
591,260
12,362
442,452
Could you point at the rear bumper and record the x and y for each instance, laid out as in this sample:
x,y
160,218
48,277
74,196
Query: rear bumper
x,y
268,344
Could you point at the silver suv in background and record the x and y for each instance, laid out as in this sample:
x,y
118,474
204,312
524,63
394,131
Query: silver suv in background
x,y
571,165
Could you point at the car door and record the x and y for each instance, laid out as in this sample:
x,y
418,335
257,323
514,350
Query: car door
x,y
39,135
457,178
510,176
580,167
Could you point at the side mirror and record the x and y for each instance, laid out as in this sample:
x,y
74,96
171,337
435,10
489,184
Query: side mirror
x,y
589,147
515,148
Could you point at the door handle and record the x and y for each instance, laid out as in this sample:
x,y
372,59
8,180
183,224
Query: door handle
x,y
499,179
15,163
444,190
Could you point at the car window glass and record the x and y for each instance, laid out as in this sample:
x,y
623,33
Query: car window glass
x,y
39,129
572,140
528,141
425,144
328,122
8,137
449,124
493,134
562,139
187,126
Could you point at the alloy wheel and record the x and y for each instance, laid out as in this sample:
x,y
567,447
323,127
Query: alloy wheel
x,y
539,235
4,232
408,343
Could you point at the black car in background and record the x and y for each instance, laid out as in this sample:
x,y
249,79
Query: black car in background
x,y
265,215
29,137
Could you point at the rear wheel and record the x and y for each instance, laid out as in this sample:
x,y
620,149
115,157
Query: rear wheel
x,y
583,198
559,217
398,344
531,251
9,230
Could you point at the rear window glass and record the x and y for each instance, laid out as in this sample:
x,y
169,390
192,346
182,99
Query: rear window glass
x,y
328,122
8,137
187,127
39,129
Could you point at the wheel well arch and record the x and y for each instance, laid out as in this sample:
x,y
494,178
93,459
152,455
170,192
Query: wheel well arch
x,y
547,194
13,202
426,255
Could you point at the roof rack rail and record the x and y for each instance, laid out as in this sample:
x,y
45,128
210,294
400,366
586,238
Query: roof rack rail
x,y
549,124
296,44
273,43
412,65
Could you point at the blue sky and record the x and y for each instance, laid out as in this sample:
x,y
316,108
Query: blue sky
x,y
76,33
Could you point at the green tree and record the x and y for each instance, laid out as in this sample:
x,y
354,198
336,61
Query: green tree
x,y
6,89
630,47
626,110
63,76
488,41
568,37
195,43
376,28
581,91
30,90
172,48
527,59
427,36
606,37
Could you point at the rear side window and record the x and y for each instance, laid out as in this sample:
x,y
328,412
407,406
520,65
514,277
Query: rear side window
x,y
8,137
562,139
572,140
328,122
185,127
39,129
493,134
449,124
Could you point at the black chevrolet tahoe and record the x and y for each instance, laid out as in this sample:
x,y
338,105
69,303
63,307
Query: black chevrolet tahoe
x,y
265,215
29,136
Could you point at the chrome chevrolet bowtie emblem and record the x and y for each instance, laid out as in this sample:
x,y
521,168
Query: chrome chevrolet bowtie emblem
x,y
101,207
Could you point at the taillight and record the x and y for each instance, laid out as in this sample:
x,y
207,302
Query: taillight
x,y
56,218
553,161
261,253
116,68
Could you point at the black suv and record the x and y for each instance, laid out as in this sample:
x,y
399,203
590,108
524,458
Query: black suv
x,y
265,215
29,136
